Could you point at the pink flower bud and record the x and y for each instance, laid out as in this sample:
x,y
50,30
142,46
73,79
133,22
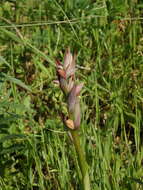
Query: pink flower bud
x,y
68,59
69,63
73,96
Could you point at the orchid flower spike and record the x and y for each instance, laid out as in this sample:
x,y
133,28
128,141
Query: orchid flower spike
x,y
66,72
66,77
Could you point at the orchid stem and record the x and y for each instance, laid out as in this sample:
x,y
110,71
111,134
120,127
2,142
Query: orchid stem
x,y
81,160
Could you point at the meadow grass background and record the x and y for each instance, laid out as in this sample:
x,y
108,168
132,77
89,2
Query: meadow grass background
x,y
35,150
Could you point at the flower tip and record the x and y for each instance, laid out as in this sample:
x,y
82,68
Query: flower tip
x,y
56,82
58,62
78,88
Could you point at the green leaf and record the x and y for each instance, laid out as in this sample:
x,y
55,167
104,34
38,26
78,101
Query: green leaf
x,y
16,81
3,61
12,137
12,148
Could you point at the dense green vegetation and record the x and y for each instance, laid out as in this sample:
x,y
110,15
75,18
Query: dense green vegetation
x,y
35,150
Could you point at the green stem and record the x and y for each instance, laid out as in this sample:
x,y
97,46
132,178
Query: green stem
x,y
81,160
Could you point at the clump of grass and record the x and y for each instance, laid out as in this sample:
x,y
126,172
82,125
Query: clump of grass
x,y
71,90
